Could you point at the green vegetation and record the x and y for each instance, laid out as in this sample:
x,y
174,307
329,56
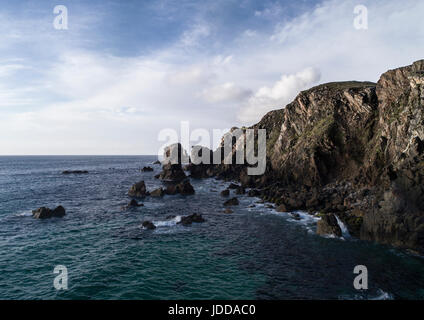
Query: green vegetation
x,y
319,129
272,139
343,85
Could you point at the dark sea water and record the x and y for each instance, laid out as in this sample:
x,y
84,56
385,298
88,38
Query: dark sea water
x,y
254,253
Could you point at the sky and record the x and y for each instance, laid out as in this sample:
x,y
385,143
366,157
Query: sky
x,y
124,72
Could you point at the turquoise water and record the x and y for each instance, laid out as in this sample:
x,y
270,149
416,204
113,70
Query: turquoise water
x,y
254,253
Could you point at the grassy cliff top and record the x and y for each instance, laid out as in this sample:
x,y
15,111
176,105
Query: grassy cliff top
x,y
342,85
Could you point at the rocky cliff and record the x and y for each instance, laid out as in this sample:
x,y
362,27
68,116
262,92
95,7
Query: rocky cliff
x,y
354,149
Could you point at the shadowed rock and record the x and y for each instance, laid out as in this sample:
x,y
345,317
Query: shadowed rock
x,y
328,225
184,188
138,190
148,225
187,220
46,213
75,172
232,202
157,193
225,193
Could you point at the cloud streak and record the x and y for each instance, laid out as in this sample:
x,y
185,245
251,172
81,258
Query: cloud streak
x,y
72,96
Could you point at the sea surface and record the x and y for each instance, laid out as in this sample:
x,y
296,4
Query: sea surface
x,y
253,253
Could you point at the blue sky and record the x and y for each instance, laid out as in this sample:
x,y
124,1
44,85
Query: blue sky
x,y
125,70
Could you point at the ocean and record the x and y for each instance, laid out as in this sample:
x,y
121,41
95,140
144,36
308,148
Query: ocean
x,y
253,253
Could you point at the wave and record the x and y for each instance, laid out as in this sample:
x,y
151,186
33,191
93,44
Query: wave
x,y
167,223
24,214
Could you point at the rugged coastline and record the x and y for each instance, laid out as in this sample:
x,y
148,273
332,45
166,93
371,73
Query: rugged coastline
x,y
354,149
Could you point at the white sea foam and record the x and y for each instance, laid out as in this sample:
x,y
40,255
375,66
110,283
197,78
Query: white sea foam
x,y
24,214
167,223
345,232
382,295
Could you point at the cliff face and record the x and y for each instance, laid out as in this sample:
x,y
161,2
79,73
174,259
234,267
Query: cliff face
x,y
398,155
369,137
354,149
324,133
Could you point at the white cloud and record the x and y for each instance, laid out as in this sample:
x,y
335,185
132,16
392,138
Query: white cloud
x,y
194,35
90,102
227,92
277,96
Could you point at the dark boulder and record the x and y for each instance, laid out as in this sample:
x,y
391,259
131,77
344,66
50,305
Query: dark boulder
x,y
187,220
171,189
138,190
147,169
157,192
225,193
281,208
296,216
185,188
46,213
233,186
133,204
232,202
328,225
172,173
75,172
157,162
240,190
254,193
148,225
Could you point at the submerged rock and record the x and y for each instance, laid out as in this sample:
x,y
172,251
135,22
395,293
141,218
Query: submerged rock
x,y
232,202
187,220
240,190
225,193
228,210
46,213
133,204
147,169
75,172
296,216
254,193
148,225
281,208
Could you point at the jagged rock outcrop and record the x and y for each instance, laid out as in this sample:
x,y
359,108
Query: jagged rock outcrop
x,y
328,225
174,157
351,148
188,220
46,213
138,190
